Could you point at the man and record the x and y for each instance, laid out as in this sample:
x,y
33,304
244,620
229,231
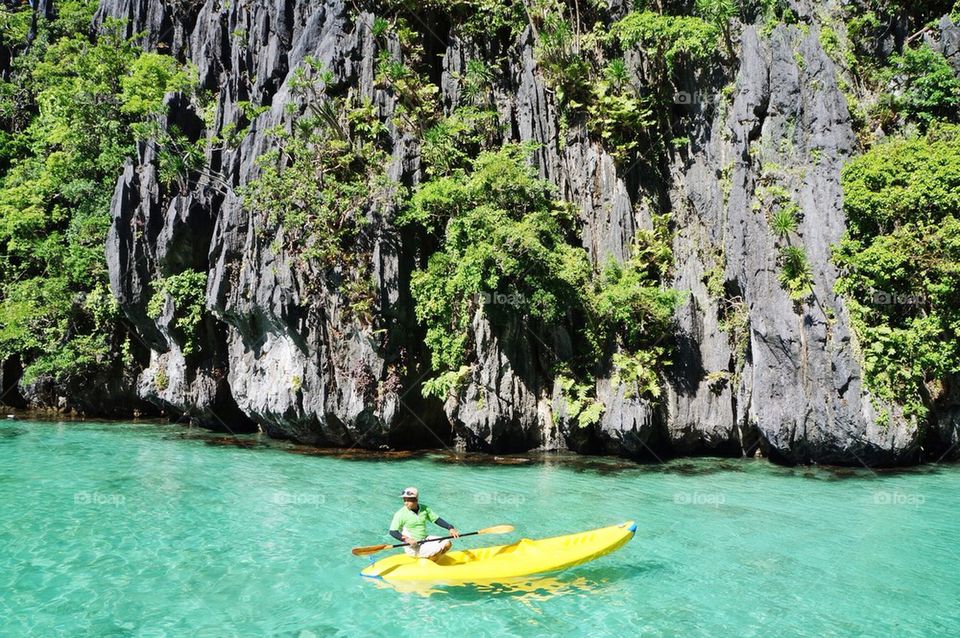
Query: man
x,y
409,525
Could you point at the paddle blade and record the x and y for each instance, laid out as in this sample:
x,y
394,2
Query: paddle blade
x,y
496,529
372,549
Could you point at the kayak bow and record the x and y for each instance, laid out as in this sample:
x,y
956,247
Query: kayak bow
x,y
522,558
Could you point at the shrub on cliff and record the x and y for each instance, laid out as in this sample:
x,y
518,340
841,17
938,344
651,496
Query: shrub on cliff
x,y
922,87
321,185
900,263
510,250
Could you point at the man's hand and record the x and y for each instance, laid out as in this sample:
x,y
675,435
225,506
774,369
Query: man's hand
x,y
453,532
409,541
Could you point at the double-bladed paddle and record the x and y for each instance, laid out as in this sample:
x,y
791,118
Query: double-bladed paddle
x,y
373,549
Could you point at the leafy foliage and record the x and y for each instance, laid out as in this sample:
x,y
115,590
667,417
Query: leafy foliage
x,y
795,275
900,263
327,174
639,371
503,235
445,384
187,291
565,67
902,181
669,38
416,95
449,144
579,404
68,118
632,307
923,87
617,116
784,222
472,17
509,250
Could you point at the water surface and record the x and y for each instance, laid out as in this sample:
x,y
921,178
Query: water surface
x,y
149,530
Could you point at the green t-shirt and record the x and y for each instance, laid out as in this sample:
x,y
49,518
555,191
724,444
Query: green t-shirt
x,y
416,524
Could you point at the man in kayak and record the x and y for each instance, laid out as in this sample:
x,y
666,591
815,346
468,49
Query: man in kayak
x,y
409,525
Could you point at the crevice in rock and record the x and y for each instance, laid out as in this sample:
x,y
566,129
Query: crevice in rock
x,y
10,374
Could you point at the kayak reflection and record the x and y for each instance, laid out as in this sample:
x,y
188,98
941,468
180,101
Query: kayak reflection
x,y
590,580
526,589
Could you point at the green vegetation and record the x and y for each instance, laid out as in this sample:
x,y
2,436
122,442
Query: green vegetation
x,y
914,86
633,309
718,380
504,235
616,115
639,371
477,81
449,144
719,13
447,383
584,67
783,215
784,222
670,39
900,264
830,41
578,403
732,312
509,250
416,96
327,173
475,18
69,116
795,275
187,291
561,54
922,88
161,381
498,241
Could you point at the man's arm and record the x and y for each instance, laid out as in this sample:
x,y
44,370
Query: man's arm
x,y
395,530
431,515
403,539
445,525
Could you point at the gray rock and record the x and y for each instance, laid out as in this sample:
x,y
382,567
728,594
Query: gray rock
x,y
300,368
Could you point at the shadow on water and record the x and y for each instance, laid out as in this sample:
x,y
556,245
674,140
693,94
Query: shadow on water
x,y
581,464
579,581
8,434
832,473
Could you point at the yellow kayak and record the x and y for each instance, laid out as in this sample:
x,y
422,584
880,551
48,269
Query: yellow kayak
x,y
523,558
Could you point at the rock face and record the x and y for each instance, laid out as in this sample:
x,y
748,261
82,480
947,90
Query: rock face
x,y
9,390
753,369
802,384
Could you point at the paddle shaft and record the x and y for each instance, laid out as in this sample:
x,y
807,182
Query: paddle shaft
x,y
373,549
442,538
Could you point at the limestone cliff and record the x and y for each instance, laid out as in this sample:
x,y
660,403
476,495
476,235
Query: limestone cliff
x,y
752,370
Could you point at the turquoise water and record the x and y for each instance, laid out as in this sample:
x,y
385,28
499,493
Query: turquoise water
x,y
147,530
